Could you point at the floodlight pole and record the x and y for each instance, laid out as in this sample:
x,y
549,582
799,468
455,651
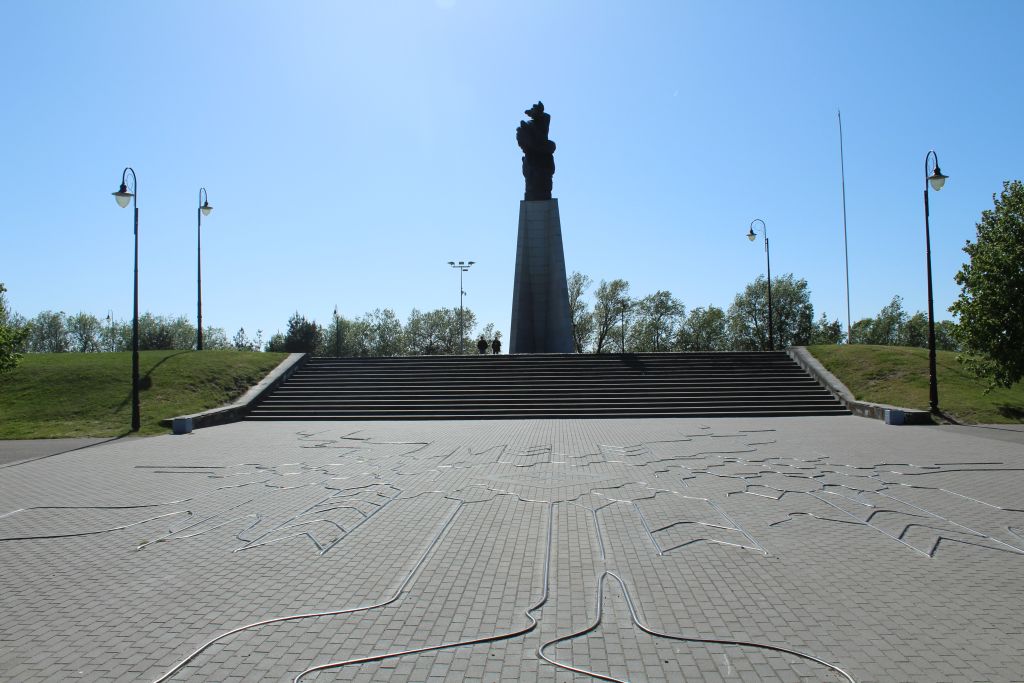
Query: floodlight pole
x,y
123,196
846,247
463,266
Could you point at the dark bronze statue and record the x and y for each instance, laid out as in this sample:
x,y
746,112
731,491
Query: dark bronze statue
x,y
538,153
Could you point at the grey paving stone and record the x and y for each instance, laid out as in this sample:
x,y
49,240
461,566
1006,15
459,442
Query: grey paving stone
x,y
725,550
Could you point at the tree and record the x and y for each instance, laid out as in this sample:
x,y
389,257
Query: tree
x,y
580,315
118,335
381,333
469,324
887,327
792,314
946,338
417,334
48,333
437,332
384,333
990,307
242,342
215,339
489,333
356,336
861,331
5,313
13,335
611,304
827,331
164,333
115,335
656,319
337,337
915,331
441,327
276,343
303,336
893,326
85,333
703,330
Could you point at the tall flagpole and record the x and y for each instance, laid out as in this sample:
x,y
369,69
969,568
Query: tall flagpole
x,y
846,248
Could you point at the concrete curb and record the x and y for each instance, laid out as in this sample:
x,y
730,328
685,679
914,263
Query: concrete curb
x,y
234,412
812,365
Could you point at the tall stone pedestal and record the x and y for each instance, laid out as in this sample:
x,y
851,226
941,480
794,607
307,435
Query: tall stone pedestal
x,y
541,322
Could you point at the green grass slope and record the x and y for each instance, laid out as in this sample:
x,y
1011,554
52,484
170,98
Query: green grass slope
x,y
898,375
52,395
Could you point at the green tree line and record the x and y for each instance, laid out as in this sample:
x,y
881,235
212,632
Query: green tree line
x,y
381,333
377,333
613,321
59,332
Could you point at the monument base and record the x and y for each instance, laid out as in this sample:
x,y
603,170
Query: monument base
x,y
541,322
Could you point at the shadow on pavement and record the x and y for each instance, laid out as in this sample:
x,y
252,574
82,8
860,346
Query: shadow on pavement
x,y
21,451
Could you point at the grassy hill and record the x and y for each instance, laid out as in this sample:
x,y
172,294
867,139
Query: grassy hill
x,y
89,394
898,375
52,395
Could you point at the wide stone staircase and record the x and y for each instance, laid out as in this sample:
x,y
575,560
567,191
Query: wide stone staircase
x,y
727,384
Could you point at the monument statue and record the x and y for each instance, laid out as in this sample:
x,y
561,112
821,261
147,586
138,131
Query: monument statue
x,y
538,153
541,322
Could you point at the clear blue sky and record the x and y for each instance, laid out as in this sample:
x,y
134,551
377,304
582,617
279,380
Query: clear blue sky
x,y
351,149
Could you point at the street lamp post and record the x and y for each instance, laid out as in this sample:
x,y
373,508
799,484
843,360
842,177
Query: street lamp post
x,y
337,334
463,266
110,329
936,180
203,210
123,197
623,307
768,256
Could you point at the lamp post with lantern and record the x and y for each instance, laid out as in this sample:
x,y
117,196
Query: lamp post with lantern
x,y
768,256
203,210
124,197
936,180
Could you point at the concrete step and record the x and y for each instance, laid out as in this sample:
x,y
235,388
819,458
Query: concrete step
x,y
610,402
581,384
549,386
543,394
546,414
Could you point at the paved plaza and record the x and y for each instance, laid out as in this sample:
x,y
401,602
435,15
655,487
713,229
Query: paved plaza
x,y
787,549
